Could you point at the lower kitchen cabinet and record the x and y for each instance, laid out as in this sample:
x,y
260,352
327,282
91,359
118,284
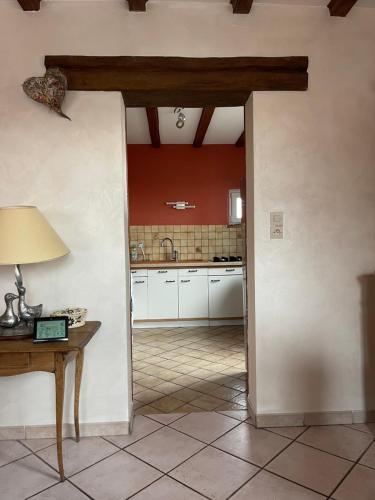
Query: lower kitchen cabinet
x,y
163,297
139,297
193,297
225,296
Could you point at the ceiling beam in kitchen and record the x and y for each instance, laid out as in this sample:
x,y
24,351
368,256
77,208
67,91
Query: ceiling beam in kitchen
x,y
153,126
241,6
241,140
30,4
203,125
340,7
137,5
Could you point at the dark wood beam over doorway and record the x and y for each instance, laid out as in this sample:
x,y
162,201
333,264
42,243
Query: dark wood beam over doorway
x,y
340,7
203,125
30,5
137,5
153,126
175,80
241,6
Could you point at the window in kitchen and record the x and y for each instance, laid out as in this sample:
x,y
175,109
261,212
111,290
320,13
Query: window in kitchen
x,y
235,207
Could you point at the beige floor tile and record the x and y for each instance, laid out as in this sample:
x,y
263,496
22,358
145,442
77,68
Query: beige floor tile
x,y
214,473
358,485
25,477
62,491
167,489
148,396
167,404
254,445
370,427
116,477
168,387
165,449
165,418
10,451
225,393
289,432
201,373
186,380
204,386
38,444
266,486
207,402
186,394
188,408
184,369
309,467
146,410
369,457
78,456
137,376
142,426
149,381
241,399
205,426
338,440
237,414
138,388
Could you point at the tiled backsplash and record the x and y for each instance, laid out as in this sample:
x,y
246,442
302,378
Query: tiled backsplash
x,y
192,242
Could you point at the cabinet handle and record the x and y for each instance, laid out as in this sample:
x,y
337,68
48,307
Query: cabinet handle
x,y
138,282
215,281
192,270
229,270
185,281
162,272
170,281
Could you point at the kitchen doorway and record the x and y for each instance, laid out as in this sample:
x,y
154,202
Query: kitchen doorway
x,y
186,167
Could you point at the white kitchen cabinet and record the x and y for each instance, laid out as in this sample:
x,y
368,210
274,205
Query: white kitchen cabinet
x,y
193,296
225,296
139,297
163,295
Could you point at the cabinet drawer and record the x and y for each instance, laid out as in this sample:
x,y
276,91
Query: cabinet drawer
x,y
193,271
139,272
163,272
14,360
224,271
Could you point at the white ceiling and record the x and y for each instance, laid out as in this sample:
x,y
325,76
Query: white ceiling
x,y
226,126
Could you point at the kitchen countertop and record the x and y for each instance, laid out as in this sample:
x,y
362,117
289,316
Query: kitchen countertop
x,y
155,264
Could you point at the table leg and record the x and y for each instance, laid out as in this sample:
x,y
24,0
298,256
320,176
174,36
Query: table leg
x,y
59,383
78,378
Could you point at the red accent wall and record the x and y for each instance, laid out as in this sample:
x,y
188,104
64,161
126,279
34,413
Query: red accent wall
x,y
179,172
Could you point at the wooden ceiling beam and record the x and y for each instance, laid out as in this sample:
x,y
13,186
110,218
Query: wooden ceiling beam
x,y
203,125
241,6
179,74
137,5
241,141
340,8
30,5
153,126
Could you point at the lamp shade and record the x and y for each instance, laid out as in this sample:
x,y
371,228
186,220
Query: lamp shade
x,y
26,237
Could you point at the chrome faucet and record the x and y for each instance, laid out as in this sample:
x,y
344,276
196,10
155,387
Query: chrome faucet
x,y
174,254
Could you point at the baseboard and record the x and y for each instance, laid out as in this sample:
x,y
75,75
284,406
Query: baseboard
x,y
49,431
313,418
186,323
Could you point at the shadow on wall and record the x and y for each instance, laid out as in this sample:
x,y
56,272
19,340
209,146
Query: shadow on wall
x,y
367,283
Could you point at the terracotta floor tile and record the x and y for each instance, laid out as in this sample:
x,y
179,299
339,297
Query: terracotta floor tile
x,y
309,467
254,445
38,444
338,440
358,485
214,473
266,486
165,418
289,432
241,415
205,426
166,448
116,477
167,489
62,491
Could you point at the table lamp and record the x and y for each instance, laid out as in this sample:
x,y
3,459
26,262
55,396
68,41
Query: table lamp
x,y
26,237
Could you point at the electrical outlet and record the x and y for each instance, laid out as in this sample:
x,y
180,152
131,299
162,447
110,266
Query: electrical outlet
x,y
276,225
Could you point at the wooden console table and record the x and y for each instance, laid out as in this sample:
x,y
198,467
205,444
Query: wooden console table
x,y
23,356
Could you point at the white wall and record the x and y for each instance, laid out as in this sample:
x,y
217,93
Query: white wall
x,y
314,159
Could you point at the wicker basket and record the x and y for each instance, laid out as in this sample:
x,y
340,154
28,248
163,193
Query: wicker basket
x,y
76,316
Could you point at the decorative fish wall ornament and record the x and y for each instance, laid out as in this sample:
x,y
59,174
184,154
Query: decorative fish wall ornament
x,y
48,89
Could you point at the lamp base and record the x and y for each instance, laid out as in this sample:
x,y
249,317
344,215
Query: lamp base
x,y
21,331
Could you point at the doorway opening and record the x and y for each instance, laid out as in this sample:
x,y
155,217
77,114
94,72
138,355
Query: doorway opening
x,y
187,246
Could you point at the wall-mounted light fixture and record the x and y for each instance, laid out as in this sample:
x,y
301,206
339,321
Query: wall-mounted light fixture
x,y
181,117
179,205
